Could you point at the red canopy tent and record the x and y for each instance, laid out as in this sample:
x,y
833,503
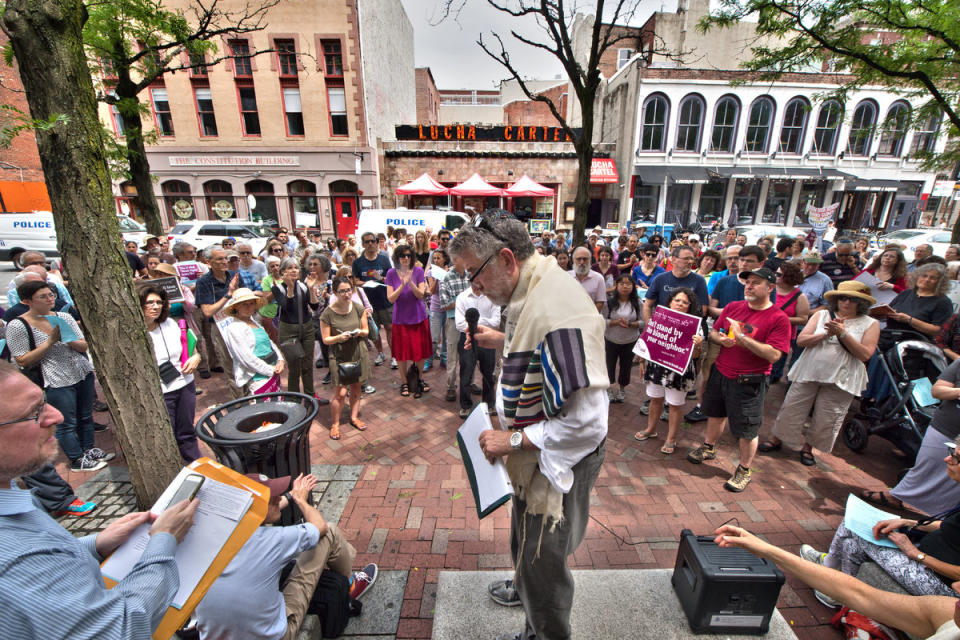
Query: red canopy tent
x,y
527,188
423,186
476,186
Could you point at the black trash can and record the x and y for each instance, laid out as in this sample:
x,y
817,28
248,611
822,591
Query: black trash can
x,y
275,451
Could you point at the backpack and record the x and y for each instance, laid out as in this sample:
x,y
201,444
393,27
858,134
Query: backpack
x,y
331,602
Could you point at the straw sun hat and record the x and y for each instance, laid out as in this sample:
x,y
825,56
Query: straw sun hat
x,y
241,295
852,289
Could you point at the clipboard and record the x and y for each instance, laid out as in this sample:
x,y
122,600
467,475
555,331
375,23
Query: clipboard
x,y
175,618
489,483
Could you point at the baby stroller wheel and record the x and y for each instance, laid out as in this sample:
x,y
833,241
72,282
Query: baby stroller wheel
x,y
855,434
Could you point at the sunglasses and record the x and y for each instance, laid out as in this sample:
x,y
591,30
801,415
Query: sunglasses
x,y
844,299
369,242
951,451
245,253
276,250
650,255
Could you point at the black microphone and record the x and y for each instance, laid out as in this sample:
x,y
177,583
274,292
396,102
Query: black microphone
x,y
472,317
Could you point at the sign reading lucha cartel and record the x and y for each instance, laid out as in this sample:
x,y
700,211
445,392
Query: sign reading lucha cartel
x,y
471,133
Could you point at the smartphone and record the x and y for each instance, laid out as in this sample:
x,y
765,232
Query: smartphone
x,y
187,490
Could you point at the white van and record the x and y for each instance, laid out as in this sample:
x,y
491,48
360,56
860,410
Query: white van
x,y
34,231
377,220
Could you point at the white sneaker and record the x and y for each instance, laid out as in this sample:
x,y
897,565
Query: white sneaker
x,y
621,396
810,554
380,359
611,395
826,600
393,363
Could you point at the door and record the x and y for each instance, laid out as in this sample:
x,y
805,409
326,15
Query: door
x,y
345,210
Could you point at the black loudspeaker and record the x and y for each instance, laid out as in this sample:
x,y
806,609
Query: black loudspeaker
x,y
724,590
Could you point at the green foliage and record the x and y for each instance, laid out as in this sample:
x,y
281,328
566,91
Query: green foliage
x,y
917,53
13,122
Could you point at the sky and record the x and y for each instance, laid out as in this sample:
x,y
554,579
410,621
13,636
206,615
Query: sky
x,y
457,62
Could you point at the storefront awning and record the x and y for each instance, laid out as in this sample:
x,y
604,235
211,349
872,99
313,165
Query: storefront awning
x,y
476,186
675,174
857,184
778,173
423,186
603,171
525,187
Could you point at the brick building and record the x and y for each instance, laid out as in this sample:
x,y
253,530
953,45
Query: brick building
x,y
296,128
21,177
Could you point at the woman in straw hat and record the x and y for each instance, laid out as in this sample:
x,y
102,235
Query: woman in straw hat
x,y
257,361
837,341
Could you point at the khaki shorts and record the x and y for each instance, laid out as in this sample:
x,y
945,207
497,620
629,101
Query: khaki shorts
x,y
713,350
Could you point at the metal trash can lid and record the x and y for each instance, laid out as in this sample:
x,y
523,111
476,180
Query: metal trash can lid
x,y
240,424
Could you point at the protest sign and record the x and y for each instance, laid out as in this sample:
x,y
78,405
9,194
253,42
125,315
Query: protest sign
x,y
668,339
820,218
170,286
189,271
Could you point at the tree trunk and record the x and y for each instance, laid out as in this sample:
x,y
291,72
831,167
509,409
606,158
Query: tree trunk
x,y
584,148
46,40
140,172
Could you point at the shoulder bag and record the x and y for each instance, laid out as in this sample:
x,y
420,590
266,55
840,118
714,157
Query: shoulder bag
x,y
350,372
35,371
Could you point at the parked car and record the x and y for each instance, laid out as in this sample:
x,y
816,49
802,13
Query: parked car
x,y
377,220
939,239
130,229
756,231
203,233
35,231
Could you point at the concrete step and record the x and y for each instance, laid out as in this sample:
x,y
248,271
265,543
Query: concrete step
x,y
623,605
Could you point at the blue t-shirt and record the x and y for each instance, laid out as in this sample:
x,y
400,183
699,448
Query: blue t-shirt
x,y
639,276
728,289
663,284
365,270
715,278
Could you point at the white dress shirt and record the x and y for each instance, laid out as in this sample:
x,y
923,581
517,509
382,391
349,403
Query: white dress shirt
x,y
489,312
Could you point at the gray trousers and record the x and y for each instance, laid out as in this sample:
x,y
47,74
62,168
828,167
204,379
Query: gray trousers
x,y
300,371
544,582
452,337
830,404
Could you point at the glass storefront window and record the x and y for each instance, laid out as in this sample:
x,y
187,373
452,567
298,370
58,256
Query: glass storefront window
x,y
645,199
745,196
778,202
811,193
711,200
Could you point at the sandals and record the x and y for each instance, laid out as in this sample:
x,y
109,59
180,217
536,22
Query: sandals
x,y
404,390
769,445
643,435
359,425
335,432
880,498
424,387
807,459
668,448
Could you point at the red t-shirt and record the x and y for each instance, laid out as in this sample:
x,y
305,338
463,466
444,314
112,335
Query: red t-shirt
x,y
770,326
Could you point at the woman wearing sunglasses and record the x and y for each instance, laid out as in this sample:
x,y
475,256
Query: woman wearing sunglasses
x,y
837,341
406,288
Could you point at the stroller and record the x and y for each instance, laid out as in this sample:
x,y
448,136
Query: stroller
x,y
905,356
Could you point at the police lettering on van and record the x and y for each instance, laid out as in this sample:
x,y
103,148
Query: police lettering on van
x,y
32,224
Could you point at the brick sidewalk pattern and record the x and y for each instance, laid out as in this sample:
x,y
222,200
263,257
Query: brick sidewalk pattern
x,y
411,508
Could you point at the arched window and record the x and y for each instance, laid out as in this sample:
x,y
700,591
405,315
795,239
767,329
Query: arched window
x,y
265,208
725,124
759,124
925,137
861,129
653,130
219,195
303,201
894,130
690,123
176,195
828,124
794,125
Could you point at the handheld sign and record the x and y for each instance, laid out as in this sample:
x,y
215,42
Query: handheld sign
x,y
668,339
171,286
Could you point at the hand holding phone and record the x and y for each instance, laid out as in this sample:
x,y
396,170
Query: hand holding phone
x,y
187,490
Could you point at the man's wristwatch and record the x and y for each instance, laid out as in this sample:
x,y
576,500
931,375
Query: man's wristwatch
x,y
920,557
516,440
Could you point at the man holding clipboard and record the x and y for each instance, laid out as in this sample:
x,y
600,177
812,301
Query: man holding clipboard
x,y
552,389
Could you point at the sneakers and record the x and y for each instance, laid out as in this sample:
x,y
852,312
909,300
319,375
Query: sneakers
x,y
86,463
692,394
703,452
826,600
426,365
464,413
369,389
99,454
99,428
621,395
393,363
76,508
695,415
451,395
616,396
363,580
380,359
611,396
475,389
739,481
810,554
321,401
100,406
327,379
645,408
504,593
665,414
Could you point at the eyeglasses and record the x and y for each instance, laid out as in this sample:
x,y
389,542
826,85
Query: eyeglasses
x,y
276,250
650,255
951,450
153,303
473,276
369,242
844,299
245,253
344,292
779,274
35,417
44,296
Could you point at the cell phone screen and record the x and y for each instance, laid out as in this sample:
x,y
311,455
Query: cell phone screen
x,y
187,490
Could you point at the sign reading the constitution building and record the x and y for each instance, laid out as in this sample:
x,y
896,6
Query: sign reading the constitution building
x,y
234,161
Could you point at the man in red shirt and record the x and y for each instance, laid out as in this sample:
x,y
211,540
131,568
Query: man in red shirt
x,y
753,334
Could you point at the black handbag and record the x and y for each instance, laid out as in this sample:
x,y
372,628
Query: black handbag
x,y
35,371
348,372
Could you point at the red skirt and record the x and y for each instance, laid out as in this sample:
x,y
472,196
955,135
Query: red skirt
x,y
411,342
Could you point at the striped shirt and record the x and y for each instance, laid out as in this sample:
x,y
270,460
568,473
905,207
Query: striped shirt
x,y
51,586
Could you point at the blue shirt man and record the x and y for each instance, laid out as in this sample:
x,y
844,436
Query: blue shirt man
x,y
681,276
815,284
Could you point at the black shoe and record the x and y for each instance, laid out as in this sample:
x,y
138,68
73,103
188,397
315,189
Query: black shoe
x,y
321,401
474,389
327,379
216,369
695,415
451,395
97,427
320,363
205,374
197,392
99,405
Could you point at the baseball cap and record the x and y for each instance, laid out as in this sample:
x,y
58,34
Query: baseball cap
x,y
693,236
276,485
813,256
762,272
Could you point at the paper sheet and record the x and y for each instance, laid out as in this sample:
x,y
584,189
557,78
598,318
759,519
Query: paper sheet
x,y
490,482
860,517
437,273
883,296
221,507
372,284
923,392
67,334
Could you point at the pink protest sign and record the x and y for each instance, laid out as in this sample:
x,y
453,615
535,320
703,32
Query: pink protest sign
x,y
188,271
668,339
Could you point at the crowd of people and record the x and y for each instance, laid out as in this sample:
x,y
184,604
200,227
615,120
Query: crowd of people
x,y
778,311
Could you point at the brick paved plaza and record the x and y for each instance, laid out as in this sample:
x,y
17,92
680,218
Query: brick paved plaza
x,y
411,509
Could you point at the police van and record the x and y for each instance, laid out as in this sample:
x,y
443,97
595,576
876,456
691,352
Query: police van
x,y
34,231
413,220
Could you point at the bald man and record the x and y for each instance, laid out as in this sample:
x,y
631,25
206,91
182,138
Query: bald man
x,y
35,262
